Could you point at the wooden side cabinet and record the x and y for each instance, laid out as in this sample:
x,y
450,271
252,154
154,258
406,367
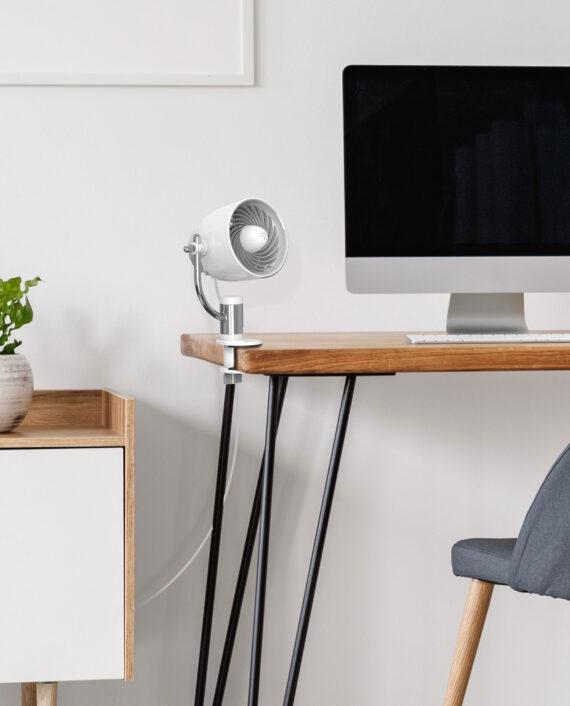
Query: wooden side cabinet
x,y
67,543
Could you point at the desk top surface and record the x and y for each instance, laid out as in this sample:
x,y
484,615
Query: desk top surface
x,y
374,353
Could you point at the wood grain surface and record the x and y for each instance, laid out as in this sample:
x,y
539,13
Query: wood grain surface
x,y
374,353
71,418
39,694
473,621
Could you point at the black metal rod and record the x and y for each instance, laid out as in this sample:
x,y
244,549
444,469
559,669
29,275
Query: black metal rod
x,y
319,542
214,545
263,546
243,573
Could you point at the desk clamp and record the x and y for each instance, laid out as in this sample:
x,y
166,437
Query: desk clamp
x,y
230,315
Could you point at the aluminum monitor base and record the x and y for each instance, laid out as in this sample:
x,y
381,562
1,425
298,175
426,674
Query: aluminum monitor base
x,y
486,313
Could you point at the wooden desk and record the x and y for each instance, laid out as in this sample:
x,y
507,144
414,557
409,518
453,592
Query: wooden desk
x,y
373,353
317,354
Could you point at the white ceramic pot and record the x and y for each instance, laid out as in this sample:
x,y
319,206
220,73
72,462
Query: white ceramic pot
x,y
16,390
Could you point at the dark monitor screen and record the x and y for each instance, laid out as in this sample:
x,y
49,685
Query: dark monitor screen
x,y
443,161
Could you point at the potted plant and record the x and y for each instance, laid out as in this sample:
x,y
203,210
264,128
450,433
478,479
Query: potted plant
x,y
16,381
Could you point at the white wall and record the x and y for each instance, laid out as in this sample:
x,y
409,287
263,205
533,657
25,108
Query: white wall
x,y
99,189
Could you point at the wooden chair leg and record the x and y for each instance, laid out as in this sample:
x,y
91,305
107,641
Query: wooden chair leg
x,y
39,694
476,608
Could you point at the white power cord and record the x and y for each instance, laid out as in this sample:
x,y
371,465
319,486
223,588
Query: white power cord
x,y
203,543
142,602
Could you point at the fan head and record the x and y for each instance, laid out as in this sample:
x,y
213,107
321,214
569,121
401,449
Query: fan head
x,y
245,240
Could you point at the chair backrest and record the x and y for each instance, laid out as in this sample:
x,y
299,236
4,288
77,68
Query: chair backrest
x,y
541,557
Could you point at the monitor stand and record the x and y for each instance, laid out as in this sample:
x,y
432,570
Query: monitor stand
x,y
486,313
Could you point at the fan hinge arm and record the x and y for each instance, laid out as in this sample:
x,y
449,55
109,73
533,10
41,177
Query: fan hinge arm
x,y
195,250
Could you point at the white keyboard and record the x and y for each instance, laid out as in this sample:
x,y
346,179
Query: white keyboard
x,y
489,338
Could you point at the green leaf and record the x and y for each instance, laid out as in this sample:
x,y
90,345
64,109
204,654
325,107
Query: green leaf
x,y
15,310
10,348
21,314
14,288
31,283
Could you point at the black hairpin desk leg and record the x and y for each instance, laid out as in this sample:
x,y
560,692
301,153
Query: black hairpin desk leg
x,y
319,542
261,510
244,568
214,545
263,547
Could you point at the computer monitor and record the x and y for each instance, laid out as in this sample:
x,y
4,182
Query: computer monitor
x,y
457,179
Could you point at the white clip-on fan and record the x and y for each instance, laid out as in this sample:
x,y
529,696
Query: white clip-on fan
x,y
245,240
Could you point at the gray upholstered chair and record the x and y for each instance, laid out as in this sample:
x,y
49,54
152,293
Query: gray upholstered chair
x,y
538,561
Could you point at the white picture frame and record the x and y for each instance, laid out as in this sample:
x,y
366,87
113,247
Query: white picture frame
x,y
68,47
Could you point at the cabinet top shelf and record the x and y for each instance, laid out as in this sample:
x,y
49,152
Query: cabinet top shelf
x,y
74,418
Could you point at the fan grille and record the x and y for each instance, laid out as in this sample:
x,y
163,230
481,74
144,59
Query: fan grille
x,y
269,259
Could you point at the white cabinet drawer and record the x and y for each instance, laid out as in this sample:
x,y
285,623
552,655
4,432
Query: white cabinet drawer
x,y
62,609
